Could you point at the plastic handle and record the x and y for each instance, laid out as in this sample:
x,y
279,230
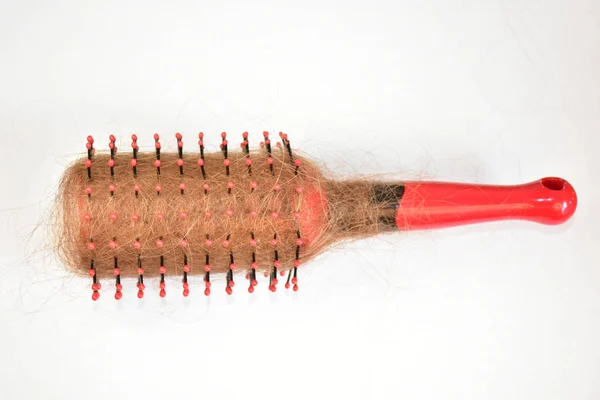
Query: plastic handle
x,y
429,205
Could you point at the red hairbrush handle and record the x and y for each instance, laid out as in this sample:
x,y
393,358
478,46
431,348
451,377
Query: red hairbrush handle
x,y
428,205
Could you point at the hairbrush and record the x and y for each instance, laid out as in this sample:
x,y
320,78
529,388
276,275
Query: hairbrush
x,y
266,211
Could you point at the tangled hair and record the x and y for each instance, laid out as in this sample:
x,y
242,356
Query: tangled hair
x,y
276,209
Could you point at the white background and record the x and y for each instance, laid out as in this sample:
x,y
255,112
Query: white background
x,y
481,91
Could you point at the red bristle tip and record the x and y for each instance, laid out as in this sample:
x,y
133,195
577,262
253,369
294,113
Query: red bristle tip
x,y
200,142
254,265
140,294
207,292
112,244
186,268
178,136
273,288
133,162
230,185
248,161
299,242
252,242
186,285
91,246
253,213
207,284
277,263
231,284
254,282
223,135
88,146
269,160
183,243
162,293
88,190
91,272
90,139
200,162
267,141
112,138
266,134
229,212
299,190
294,280
113,216
156,136
278,144
282,273
182,186
201,135
180,144
245,135
119,287
141,286
287,285
162,285
266,274
207,268
206,186
157,145
111,188
118,295
275,214
111,146
296,263
226,162
276,187
87,217
158,188
157,163
274,281
160,243
134,137
232,266
95,296
274,242
162,269
228,290
111,163
297,163
208,242
137,245
295,288
225,243
224,143
180,162
250,289
253,185
186,292
88,163
160,217
183,215
136,187
96,286
140,271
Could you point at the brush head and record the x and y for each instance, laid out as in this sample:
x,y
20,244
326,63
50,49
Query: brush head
x,y
155,214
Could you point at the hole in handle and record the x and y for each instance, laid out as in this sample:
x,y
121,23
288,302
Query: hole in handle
x,y
556,184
